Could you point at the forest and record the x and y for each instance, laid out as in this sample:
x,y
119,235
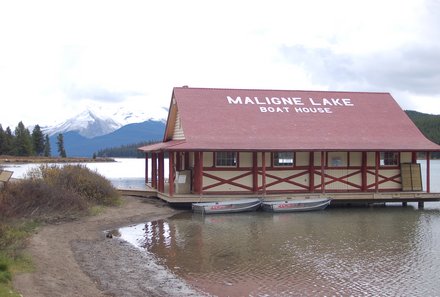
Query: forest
x,y
125,151
24,143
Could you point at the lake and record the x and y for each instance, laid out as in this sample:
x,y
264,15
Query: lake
x,y
123,173
356,251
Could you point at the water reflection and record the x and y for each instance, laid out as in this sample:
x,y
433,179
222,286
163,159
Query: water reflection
x,y
340,252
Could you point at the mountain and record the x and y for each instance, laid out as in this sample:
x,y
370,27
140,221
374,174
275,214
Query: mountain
x,y
77,145
88,124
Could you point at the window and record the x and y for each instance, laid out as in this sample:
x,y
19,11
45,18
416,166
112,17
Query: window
x,y
283,159
389,158
226,159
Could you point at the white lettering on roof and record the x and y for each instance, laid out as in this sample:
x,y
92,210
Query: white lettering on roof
x,y
312,105
236,101
274,109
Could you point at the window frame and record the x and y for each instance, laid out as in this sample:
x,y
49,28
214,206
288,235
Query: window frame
x,y
276,158
384,159
230,156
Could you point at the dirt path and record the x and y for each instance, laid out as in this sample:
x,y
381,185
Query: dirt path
x,y
76,259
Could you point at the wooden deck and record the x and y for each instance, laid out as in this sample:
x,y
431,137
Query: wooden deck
x,y
337,198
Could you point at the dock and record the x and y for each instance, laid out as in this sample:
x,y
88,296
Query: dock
x,y
337,198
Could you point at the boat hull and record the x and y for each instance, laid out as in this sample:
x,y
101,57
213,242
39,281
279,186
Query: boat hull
x,y
227,206
295,205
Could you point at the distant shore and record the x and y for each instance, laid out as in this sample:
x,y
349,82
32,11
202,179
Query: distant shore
x,y
39,159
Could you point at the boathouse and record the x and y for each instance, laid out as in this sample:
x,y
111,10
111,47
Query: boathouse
x,y
223,143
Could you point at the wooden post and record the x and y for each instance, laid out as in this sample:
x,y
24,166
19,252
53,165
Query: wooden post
x,y
428,172
263,170
186,161
178,161
254,172
322,172
312,172
198,172
161,185
146,168
364,172
376,178
154,170
171,173
201,172
414,157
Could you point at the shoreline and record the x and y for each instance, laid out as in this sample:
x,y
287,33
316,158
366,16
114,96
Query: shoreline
x,y
76,259
33,159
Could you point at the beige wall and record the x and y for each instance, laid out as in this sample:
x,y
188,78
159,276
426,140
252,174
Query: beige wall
x,y
335,160
245,159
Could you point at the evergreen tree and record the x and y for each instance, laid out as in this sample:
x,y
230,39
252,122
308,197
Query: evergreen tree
x,y
60,144
2,141
38,140
23,141
47,152
9,140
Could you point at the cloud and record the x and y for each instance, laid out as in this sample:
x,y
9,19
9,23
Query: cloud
x,y
414,69
98,93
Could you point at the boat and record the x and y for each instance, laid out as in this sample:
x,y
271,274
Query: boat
x,y
296,205
227,206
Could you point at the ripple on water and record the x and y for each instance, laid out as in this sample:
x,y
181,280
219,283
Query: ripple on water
x,y
337,252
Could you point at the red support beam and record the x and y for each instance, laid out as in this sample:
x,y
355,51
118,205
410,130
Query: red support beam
x,y
312,172
229,181
161,183
322,172
154,170
428,172
186,161
198,172
263,170
414,157
146,168
255,172
364,172
171,173
178,161
376,172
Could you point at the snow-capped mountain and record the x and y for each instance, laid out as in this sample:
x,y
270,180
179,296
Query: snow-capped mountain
x,y
88,124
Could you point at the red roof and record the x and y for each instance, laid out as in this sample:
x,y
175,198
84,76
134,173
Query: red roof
x,y
240,119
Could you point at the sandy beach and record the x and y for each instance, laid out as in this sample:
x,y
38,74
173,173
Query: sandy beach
x,y
77,259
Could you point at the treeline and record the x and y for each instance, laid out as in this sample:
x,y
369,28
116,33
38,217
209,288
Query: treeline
x,y
24,143
125,151
429,125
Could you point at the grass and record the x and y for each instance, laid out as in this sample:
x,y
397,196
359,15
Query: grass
x,y
48,194
13,237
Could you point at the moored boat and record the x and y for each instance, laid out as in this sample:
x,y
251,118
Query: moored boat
x,y
296,205
227,206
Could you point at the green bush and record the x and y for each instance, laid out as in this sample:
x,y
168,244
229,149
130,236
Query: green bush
x,y
80,179
5,274
53,190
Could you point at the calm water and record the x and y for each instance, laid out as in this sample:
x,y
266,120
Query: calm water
x,y
124,173
380,251
377,251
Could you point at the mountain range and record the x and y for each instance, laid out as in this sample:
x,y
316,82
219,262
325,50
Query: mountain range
x,y
91,131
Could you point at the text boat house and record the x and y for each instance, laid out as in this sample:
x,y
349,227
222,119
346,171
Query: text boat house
x,y
224,143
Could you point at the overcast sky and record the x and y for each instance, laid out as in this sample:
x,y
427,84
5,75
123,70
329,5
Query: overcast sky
x,y
59,57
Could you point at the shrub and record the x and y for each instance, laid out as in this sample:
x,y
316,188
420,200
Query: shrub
x,y
5,274
80,179
53,190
